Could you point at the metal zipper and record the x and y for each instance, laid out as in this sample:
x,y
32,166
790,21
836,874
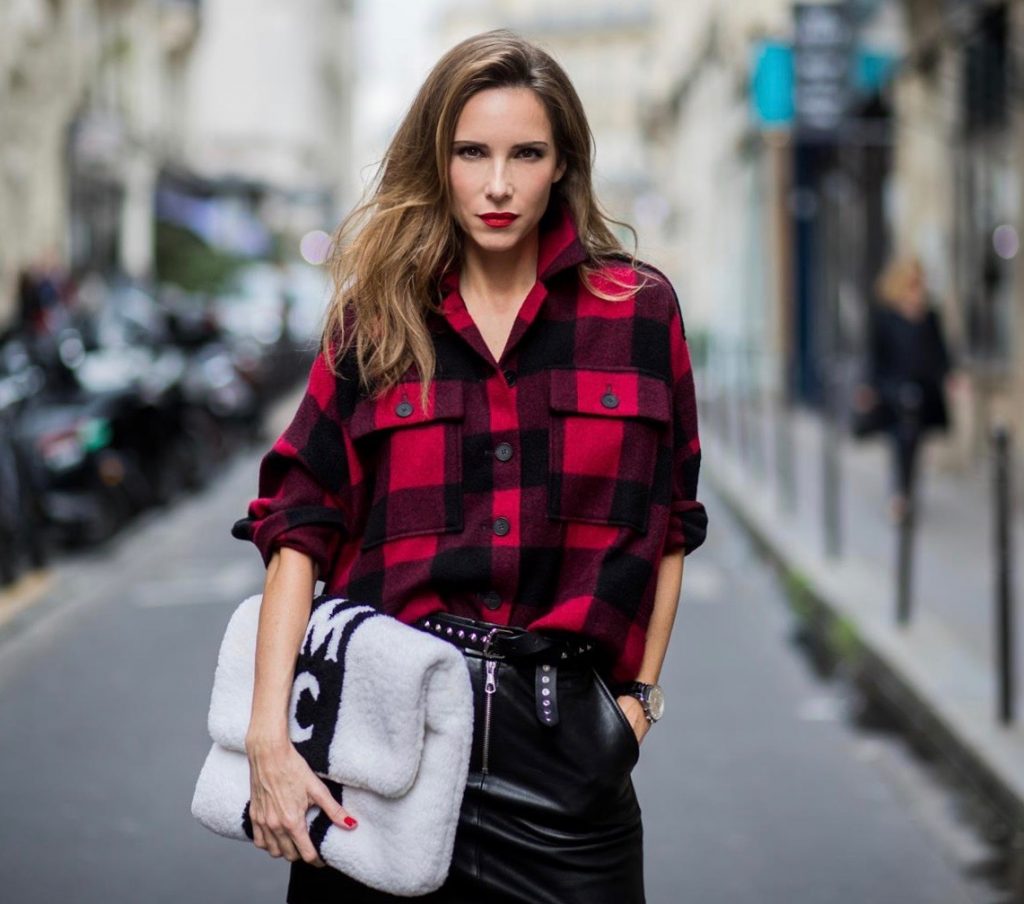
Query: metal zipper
x,y
490,686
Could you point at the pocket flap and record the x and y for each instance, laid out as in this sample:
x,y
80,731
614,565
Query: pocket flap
x,y
621,392
400,407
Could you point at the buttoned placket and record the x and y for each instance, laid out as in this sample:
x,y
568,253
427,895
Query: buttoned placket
x,y
504,419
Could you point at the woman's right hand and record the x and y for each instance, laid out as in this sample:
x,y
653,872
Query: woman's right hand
x,y
282,789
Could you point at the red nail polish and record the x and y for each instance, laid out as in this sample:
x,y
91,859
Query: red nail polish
x,y
350,822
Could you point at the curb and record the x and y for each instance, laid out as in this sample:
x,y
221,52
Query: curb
x,y
20,596
845,639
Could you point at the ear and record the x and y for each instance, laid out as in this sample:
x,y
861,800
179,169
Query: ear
x,y
559,172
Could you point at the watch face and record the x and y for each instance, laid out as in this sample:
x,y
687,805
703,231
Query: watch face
x,y
656,701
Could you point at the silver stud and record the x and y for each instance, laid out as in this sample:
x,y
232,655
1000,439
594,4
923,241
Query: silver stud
x,y
546,667
545,691
545,678
472,636
461,634
565,656
426,624
437,628
449,632
546,702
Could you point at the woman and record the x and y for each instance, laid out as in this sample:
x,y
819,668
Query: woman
x,y
500,429
909,367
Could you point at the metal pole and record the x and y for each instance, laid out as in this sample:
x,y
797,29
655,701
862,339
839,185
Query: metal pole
x,y
904,565
832,196
909,414
784,453
1003,489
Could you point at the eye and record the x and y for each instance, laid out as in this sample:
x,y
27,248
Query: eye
x,y
531,153
469,152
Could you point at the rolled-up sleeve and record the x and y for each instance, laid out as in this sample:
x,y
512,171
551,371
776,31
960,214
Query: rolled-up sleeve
x,y
688,518
305,480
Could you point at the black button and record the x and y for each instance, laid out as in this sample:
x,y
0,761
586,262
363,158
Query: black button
x,y
492,599
403,409
503,451
501,526
610,400
510,377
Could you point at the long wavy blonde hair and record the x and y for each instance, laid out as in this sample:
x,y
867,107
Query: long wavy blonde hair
x,y
389,253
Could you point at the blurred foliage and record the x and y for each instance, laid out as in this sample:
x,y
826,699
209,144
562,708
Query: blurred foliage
x,y
186,260
798,593
844,639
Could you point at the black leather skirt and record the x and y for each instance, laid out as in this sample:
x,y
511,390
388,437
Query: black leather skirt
x,y
549,815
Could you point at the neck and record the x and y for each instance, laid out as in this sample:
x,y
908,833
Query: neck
x,y
502,278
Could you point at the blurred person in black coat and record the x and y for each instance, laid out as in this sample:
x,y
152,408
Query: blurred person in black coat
x,y
909,372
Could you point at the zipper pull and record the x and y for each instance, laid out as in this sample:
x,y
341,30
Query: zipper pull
x,y
491,682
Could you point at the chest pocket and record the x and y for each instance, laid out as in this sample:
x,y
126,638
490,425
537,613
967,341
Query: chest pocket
x,y
416,460
606,427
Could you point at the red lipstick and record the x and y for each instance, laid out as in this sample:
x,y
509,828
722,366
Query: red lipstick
x,y
499,220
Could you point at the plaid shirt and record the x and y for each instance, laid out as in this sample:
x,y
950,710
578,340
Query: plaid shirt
x,y
540,490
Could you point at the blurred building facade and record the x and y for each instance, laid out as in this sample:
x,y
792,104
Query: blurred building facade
x,y
777,233
87,114
267,101
228,119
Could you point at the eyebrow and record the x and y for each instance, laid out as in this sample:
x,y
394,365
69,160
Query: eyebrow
x,y
515,147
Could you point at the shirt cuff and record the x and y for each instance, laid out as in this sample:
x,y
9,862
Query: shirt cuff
x,y
687,528
316,531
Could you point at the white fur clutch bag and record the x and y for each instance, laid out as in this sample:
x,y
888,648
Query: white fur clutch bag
x,y
382,712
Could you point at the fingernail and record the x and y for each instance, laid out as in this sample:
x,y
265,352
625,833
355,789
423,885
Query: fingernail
x,y
350,822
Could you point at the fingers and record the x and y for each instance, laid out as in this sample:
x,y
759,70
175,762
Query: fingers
x,y
277,811
634,713
321,796
286,837
283,788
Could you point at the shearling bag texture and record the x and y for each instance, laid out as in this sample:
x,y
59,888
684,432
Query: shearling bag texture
x,y
382,712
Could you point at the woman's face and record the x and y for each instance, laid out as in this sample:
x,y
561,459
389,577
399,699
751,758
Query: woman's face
x,y
502,166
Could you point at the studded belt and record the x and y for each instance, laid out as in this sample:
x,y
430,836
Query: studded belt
x,y
502,642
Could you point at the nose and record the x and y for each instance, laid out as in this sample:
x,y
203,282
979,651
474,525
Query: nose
x,y
499,186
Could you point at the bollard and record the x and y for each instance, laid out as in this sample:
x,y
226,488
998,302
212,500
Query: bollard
x,y
909,412
830,488
904,565
784,451
830,471
1003,509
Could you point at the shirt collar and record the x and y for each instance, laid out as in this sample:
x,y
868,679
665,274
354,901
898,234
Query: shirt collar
x,y
559,249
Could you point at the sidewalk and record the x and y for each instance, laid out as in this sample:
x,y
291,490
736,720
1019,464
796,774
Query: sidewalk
x,y
939,670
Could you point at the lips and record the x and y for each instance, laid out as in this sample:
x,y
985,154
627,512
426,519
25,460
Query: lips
x,y
499,220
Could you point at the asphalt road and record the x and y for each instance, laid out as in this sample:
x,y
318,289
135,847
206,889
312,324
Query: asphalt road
x,y
754,788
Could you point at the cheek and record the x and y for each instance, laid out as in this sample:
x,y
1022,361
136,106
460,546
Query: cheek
x,y
540,184
461,184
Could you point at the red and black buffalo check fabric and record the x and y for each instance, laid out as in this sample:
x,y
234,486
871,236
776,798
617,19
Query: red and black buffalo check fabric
x,y
539,490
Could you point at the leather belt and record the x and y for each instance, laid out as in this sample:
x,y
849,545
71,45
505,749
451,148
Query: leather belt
x,y
503,642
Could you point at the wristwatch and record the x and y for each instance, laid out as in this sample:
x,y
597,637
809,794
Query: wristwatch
x,y
651,697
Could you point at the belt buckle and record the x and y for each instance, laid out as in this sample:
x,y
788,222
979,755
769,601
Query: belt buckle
x,y
488,640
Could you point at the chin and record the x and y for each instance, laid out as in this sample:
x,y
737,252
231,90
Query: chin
x,y
497,241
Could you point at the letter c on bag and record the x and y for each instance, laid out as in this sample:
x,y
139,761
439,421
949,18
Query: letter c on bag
x,y
304,681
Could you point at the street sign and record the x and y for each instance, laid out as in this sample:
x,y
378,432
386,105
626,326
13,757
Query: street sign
x,y
771,85
822,50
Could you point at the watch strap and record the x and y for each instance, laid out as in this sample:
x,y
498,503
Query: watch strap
x,y
641,690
